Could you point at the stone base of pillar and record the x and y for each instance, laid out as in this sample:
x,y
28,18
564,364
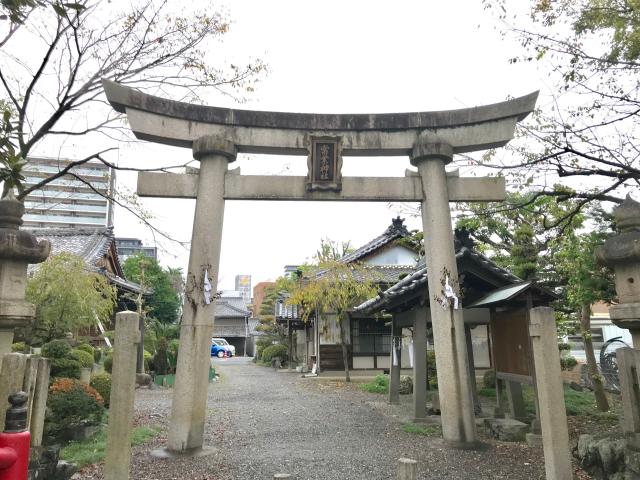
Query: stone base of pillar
x,y
165,453
475,445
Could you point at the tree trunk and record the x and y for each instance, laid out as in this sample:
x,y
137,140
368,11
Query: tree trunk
x,y
345,352
596,379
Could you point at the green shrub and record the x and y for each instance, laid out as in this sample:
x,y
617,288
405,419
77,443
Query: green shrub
x,y
172,353
20,347
489,379
380,384
108,362
147,360
97,355
71,403
65,368
432,369
564,346
85,358
86,347
160,359
102,384
56,349
567,363
273,351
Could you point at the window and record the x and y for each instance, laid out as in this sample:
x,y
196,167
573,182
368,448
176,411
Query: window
x,y
370,337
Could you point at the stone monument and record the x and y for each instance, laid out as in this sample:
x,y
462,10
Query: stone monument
x,y
17,250
622,253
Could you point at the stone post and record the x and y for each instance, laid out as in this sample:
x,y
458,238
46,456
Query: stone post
x,y
407,469
629,369
11,380
622,253
420,369
123,385
516,401
17,249
39,403
189,406
430,154
553,415
394,370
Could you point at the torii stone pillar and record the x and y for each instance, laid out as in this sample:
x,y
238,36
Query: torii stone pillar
x,y
430,154
190,391
323,139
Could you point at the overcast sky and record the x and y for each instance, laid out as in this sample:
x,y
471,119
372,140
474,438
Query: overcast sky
x,y
337,57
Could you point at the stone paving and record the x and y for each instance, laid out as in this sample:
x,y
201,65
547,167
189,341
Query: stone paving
x,y
263,422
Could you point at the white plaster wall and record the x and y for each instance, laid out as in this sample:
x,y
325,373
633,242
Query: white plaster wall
x,y
362,362
383,361
395,255
480,342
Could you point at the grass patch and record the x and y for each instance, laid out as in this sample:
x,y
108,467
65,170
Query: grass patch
x,y
578,404
425,430
380,384
93,450
487,392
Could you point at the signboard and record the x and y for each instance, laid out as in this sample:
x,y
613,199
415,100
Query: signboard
x,y
511,349
325,164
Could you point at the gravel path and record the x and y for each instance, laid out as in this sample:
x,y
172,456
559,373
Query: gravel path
x,y
263,422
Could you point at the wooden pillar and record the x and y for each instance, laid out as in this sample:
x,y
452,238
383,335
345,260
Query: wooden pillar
x,y
499,410
394,370
477,408
290,336
420,368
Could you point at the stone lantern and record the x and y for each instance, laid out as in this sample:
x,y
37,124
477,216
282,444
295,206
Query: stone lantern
x,y
18,249
622,253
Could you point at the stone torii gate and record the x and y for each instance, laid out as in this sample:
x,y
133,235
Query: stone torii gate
x,y
216,135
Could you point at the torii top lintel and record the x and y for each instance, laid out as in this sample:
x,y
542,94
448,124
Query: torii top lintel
x,y
178,123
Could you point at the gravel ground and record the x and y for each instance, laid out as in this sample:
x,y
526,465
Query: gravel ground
x,y
263,422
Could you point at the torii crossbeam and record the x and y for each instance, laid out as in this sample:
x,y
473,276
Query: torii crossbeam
x,y
216,135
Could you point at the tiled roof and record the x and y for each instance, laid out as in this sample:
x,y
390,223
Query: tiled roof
x,y
385,273
91,244
393,232
231,307
419,278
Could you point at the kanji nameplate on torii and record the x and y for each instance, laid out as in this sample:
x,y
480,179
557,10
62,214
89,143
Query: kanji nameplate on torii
x,y
325,164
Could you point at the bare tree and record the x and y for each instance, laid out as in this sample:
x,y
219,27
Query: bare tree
x,y
587,134
52,89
